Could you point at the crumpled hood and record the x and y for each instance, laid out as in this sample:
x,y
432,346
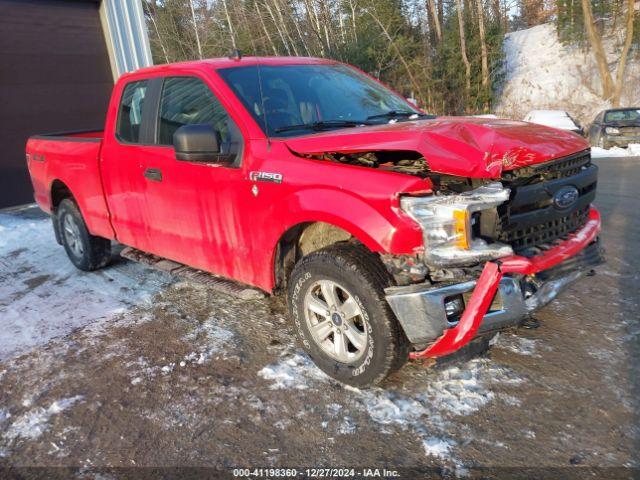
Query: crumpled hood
x,y
463,146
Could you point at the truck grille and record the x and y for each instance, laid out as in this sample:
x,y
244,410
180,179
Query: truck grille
x,y
533,217
630,131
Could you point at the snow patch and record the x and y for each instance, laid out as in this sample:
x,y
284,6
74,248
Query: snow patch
x,y
43,296
517,344
347,427
35,422
437,447
428,409
4,415
215,340
292,371
633,150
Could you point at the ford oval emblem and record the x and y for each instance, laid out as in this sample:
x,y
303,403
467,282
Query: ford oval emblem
x,y
565,197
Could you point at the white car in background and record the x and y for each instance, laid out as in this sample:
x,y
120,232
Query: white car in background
x,y
554,118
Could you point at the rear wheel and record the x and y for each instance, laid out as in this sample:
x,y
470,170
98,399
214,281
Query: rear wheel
x,y
87,252
337,302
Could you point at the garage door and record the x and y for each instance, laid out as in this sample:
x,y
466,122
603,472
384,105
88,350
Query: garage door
x,y
54,75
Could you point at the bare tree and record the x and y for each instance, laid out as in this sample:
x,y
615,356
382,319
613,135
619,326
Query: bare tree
x,y
195,29
230,25
393,44
615,100
483,45
435,19
266,31
151,13
598,50
463,46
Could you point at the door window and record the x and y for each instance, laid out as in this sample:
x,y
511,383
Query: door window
x,y
188,101
130,112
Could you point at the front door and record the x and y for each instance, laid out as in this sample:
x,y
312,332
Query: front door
x,y
193,208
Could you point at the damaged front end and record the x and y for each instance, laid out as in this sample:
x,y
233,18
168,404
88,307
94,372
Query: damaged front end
x,y
531,243
494,251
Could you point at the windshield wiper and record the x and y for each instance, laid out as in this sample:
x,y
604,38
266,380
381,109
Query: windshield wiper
x,y
396,114
323,125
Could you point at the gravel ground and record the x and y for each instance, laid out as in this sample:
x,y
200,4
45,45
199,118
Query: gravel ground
x,y
110,372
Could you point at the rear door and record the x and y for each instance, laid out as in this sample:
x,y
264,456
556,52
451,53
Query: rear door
x,y
124,162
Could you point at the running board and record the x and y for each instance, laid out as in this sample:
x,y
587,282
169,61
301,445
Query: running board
x,y
221,284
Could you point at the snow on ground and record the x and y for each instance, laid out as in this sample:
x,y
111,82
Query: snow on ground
x,y
42,295
542,73
517,344
428,411
292,371
35,422
632,150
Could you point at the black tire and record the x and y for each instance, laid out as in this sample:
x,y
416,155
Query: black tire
x,y
91,252
364,277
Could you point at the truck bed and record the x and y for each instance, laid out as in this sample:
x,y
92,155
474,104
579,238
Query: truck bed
x,y
70,161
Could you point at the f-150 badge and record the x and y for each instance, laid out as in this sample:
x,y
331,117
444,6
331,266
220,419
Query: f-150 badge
x,y
265,177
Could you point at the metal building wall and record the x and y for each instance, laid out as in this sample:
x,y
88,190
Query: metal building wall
x,y
125,31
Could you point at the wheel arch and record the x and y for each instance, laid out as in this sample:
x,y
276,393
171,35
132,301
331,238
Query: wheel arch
x,y
304,238
58,192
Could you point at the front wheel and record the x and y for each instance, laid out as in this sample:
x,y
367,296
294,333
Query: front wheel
x,y
337,302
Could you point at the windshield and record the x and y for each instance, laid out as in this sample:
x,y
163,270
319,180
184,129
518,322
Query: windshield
x,y
299,99
622,116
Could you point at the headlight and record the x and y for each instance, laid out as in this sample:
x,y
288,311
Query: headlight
x,y
612,130
446,225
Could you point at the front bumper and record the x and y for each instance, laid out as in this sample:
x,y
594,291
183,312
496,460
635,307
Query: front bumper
x,y
506,291
621,140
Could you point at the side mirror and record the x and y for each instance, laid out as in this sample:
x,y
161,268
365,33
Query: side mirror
x,y
197,143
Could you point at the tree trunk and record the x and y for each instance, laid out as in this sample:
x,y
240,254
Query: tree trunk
x,y
463,46
436,20
155,27
280,32
598,50
352,5
495,4
615,100
195,29
266,32
231,31
483,45
278,9
415,84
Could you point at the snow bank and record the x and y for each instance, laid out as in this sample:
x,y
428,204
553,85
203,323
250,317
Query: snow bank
x,y
42,295
542,73
633,150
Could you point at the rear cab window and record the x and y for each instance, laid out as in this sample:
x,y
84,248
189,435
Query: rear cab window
x,y
128,126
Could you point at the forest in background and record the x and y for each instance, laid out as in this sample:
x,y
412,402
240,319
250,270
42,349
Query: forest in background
x,y
446,54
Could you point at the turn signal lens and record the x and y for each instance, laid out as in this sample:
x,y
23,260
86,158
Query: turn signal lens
x,y
462,234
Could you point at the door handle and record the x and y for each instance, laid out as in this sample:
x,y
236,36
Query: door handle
x,y
153,174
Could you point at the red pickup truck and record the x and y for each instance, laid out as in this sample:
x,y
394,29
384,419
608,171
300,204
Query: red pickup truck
x,y
395,234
